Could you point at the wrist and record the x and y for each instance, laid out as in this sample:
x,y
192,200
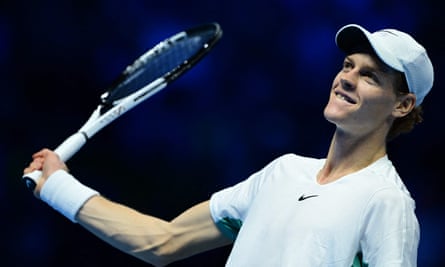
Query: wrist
x,y
65,194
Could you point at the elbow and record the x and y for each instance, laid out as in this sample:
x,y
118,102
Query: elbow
x,y
159,254
158,257
158,261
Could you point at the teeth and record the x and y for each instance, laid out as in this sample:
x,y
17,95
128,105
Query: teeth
x,y
344,98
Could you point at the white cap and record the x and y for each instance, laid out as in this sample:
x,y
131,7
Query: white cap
x,y
396,49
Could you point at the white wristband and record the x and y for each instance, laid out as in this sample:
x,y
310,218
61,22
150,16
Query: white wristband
x,y
65,194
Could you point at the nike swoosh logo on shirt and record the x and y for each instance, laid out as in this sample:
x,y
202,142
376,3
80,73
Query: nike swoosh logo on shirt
x,y
303,197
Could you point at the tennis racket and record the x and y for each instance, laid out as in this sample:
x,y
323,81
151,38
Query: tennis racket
x,y
148,74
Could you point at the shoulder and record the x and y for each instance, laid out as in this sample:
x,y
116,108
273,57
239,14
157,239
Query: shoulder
x,y
287,169
387,190
290,165
382,178
296,160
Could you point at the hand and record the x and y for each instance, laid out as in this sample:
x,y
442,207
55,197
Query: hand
x,y
47,162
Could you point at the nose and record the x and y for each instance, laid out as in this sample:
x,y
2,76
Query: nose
x,y
347,84
349,79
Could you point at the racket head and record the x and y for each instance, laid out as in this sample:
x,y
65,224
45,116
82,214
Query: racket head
x,y
169,59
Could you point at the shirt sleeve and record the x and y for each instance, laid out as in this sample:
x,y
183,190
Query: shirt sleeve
x,y
391,230
229,206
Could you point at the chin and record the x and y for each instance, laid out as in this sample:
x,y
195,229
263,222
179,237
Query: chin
x,y
333,115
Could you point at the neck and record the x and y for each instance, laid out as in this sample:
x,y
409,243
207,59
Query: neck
x,y
348,154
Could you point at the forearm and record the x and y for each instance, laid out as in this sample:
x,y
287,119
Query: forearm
x,y
145,237
142,236
148,238
122,227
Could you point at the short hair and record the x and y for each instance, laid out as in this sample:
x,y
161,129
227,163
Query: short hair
x,y
406,123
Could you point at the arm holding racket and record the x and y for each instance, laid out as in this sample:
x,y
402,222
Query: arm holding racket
x,y
148,238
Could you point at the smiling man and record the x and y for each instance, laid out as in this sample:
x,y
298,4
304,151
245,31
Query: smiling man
x,y
350,208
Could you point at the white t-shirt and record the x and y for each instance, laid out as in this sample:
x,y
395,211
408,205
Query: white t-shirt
x,y
281,216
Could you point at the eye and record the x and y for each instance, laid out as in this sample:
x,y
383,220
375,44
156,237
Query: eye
x,y
347,65
370,76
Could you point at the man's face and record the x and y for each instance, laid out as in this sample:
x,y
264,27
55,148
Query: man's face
x,y
362,97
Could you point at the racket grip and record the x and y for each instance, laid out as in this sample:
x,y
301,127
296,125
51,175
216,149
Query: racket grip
x,y
65,151
71,145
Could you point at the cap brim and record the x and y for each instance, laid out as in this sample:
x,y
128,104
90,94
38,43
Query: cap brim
x,y
351,36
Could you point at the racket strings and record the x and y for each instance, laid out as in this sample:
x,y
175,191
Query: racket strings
x,y
163,63
164,60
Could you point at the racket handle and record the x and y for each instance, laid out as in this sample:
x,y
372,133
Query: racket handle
x,y
71,145
65,151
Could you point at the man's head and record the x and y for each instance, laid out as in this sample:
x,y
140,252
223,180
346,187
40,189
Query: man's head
x,y
396,49
400,52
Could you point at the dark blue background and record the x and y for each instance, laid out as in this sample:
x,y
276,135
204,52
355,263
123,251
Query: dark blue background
x,y
258,95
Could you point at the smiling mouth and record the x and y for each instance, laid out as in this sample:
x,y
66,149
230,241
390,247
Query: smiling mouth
x,y
345,98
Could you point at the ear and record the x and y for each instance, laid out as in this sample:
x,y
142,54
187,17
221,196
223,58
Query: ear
x,y
404,105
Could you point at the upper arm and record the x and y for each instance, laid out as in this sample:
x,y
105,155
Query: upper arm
x,y
195,231
391,234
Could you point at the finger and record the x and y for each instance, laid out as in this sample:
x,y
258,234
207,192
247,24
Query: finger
x,y
37,164
32,167
42,153
27,170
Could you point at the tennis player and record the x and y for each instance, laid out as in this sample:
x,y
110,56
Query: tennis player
x,y
348,209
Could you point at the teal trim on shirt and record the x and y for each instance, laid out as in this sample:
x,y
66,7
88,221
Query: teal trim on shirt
x,y
229,227
358,261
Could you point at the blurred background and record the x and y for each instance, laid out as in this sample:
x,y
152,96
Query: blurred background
x,y
259,94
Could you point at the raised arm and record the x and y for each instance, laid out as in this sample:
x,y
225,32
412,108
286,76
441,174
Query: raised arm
x,y
148,238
